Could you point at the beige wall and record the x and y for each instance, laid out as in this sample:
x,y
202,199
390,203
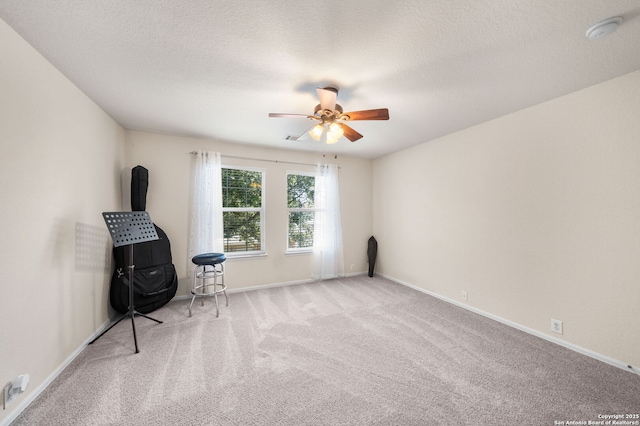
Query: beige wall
x,y
59,169
169,163
536,215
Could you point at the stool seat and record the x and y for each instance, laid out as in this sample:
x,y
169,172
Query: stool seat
x,y
209,259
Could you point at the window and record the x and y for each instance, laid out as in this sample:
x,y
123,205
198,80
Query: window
x,y
300,202
242,210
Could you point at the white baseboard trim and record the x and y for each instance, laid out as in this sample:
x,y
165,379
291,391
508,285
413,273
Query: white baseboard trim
x,y
265,286
552,339
33,395
257,287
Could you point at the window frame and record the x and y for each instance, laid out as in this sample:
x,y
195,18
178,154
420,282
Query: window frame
x,y
262,210
297,250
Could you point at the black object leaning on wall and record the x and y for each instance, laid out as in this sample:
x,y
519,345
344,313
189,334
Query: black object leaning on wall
x,y
154,277
372,253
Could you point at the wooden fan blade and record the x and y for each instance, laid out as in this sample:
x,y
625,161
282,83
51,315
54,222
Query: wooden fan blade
x,y
349,133
369,114
277,114
327,97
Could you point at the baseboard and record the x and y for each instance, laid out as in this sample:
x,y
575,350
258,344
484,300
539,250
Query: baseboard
x,y
552,339
33,395
265,286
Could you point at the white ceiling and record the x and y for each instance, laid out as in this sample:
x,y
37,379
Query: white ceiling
x,y
215,69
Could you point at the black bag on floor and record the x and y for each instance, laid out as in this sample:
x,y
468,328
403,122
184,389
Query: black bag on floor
x,y
155,281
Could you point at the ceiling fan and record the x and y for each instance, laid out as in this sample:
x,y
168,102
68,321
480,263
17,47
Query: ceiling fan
x,y
331,118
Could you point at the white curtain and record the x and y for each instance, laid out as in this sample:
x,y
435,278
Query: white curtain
x,y
328,259
205,212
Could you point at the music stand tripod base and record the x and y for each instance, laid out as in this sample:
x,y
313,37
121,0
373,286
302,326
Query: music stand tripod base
x,y
129,228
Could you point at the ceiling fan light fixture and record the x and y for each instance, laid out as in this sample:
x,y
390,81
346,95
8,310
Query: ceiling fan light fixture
x,y
331,139
316,131
335,130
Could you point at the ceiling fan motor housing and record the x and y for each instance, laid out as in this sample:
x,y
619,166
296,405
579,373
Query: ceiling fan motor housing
x,y
319,108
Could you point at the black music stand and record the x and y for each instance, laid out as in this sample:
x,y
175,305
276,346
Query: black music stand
x,y
129,228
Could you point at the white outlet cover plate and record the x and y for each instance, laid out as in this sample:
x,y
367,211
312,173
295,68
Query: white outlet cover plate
x,y
556,326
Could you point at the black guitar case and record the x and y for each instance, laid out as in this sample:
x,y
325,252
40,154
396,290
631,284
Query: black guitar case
x,y
155,281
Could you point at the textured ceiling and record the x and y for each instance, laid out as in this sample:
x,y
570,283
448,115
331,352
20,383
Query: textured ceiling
x,y
215,69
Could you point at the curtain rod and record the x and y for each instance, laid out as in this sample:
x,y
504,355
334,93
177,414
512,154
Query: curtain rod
x,y
262,159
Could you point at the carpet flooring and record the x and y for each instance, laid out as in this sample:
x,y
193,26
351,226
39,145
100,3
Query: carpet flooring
x,y
352,351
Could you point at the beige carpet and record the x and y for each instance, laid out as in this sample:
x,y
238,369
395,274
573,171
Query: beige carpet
x,y
356,351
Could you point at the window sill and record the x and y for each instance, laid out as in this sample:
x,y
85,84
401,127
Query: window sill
x,y
298,252
244,256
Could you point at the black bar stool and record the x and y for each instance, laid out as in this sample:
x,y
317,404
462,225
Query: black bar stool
x,y
209,267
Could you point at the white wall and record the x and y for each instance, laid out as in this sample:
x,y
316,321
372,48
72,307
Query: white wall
x,y
536,215
169,163
59,169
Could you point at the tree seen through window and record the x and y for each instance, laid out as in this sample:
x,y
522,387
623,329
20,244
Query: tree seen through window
x,y
300,202
242,209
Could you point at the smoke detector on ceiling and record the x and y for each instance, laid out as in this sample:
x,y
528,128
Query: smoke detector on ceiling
x,y
604,28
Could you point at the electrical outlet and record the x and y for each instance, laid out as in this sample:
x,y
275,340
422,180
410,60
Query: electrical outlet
x,y
464,296
353,266
556,326
15,388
